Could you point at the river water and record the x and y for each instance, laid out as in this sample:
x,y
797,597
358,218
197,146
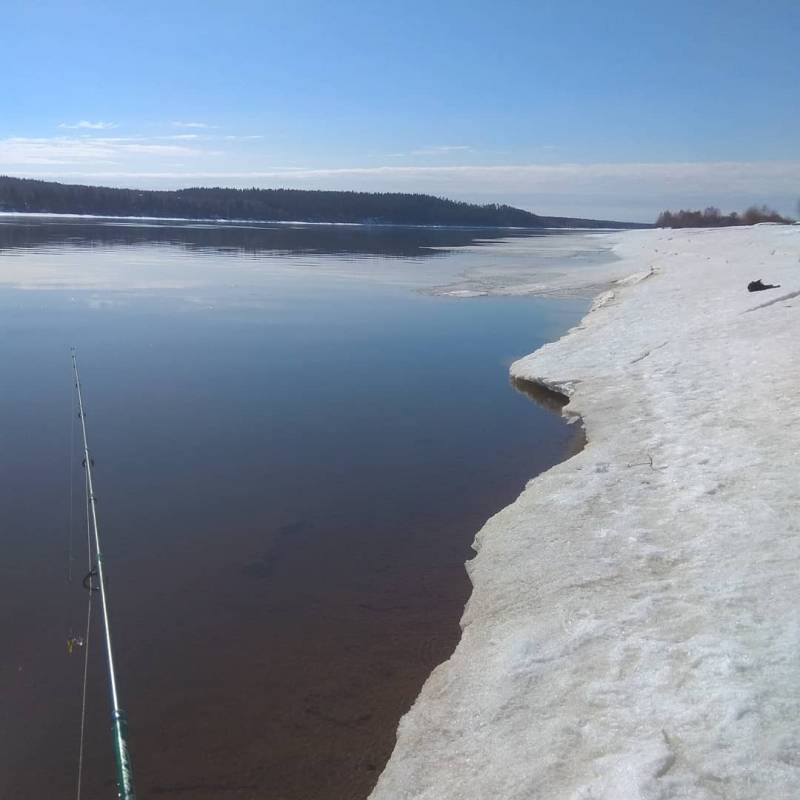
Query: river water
x,y
295,440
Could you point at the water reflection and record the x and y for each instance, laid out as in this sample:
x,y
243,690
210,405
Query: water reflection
x,y
288,490
253,238
552,401
540,394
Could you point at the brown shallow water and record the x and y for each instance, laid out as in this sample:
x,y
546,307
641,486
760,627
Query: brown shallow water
x,y
290,477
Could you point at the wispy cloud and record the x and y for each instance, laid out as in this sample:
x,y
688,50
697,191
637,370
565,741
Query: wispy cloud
x,y
66,150
85,124
556,177
179,124
442,149
437,150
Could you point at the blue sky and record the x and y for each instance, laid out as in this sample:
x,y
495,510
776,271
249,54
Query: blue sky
x,y
608,109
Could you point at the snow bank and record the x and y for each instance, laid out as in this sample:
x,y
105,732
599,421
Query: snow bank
x,y
634,628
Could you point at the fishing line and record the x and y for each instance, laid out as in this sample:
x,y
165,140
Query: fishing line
x,y
85,646
68,604
71,477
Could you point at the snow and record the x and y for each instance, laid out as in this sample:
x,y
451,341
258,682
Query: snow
x,y
633,631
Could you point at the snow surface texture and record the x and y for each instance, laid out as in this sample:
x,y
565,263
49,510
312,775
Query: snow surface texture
x,y
634,630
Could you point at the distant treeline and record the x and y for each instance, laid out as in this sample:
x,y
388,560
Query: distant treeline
x,y
712,217
26,195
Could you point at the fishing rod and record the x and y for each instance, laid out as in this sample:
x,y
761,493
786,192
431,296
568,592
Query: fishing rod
x,y
118,716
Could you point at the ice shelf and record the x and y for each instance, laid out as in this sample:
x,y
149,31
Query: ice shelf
x,y
633,630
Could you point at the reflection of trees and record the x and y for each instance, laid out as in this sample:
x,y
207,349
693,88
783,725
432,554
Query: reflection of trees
x,y
388,241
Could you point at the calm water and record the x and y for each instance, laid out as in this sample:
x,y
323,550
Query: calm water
x,y
294,446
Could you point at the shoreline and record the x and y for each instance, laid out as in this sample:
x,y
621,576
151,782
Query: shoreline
x,y
244,222
631,630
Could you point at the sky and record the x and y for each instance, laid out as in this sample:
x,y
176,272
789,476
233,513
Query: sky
x,y
609,109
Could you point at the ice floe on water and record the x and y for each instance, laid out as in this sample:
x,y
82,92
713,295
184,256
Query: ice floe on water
x,y
558,264
633,630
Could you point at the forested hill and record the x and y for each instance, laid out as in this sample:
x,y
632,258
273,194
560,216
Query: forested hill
x,y
26,195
